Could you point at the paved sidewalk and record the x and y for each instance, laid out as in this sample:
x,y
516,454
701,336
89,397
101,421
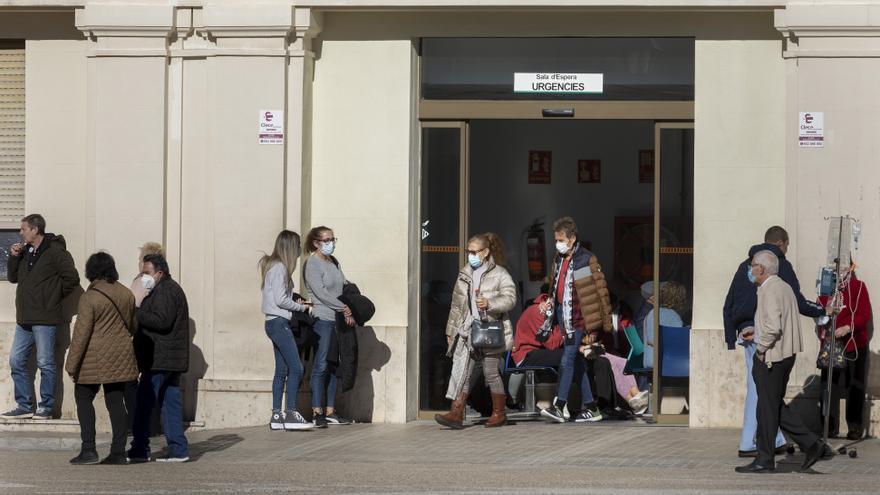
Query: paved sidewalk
x,y
422,457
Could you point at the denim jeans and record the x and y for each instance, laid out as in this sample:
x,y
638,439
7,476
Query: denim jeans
x,y
159,389
25,338
750,409
287,364
571,368
323,378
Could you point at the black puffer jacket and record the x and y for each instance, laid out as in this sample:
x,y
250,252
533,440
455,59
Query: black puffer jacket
x,y
162,340
44,277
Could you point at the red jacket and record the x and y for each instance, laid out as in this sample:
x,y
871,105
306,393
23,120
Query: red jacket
x,y
858,308
527,327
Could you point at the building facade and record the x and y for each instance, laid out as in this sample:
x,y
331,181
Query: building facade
x,y
142,122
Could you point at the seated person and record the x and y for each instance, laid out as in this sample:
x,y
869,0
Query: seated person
x,y
529,351
673,297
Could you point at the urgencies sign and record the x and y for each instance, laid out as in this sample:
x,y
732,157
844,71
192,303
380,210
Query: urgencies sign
x,y
557,82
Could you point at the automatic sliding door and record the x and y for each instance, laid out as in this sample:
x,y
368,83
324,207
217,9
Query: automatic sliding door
x,y
443,187
673,268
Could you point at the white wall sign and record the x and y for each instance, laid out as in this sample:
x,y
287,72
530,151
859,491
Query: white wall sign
x,y
557,82
811,130
271,127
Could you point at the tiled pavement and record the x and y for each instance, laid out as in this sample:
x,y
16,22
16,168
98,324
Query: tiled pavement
x,y
529,457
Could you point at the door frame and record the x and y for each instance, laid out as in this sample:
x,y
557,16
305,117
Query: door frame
x,y
464,188
659,127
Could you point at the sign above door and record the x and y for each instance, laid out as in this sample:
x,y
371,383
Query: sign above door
x,y
557,82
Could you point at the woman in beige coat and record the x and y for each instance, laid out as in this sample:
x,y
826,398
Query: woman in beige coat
x,y
101,354
484,291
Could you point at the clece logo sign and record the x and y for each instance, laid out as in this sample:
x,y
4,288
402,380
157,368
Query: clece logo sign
x,y
811,131
271,127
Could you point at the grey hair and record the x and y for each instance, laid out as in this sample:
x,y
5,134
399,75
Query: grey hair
x,y
768,260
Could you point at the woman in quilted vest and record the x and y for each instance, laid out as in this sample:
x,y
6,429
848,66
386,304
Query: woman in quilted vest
x,y
484,291
101,354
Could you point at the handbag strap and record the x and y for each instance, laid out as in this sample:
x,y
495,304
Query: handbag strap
x,y
118,312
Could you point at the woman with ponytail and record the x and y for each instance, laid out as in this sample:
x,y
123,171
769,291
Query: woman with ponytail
x,y
484,291
278,304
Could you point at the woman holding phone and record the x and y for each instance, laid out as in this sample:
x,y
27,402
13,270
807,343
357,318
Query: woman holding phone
x,y
278,306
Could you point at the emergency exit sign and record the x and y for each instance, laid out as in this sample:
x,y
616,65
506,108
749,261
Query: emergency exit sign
x,y
557,82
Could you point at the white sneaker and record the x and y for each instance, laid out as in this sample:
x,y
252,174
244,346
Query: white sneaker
x,y
173,459
639,402
293,420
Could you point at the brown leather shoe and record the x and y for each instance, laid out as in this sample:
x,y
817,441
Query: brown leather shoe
x,y
455,417
498,417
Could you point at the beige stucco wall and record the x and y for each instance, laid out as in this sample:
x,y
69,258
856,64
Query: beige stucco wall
x,y
739,172
362,132
55,173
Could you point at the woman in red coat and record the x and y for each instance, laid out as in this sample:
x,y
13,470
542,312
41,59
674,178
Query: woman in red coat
x,y
851,332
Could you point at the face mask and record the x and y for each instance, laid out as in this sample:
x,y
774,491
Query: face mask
x,y
751,275
147,281
327,248
562,247
474,260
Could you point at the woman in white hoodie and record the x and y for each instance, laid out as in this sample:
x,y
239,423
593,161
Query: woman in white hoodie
x,y
278,304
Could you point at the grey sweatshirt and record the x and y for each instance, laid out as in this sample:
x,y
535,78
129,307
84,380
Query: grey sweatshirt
x,y
276,299
324,281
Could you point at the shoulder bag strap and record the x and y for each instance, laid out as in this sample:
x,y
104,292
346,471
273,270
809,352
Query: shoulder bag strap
x,y
118,312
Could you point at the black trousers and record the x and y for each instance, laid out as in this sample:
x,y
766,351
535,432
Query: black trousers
x,y
774,413
599,370
114,399
850,381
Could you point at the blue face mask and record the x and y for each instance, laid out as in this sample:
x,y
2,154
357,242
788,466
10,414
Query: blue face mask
x,y
327,248
751,275
474,260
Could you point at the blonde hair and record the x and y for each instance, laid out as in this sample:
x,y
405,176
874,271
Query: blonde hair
x,y
149,248
673,295
287,251
493,242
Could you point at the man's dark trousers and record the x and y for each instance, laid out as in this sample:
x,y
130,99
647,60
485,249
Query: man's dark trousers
x,y
774,413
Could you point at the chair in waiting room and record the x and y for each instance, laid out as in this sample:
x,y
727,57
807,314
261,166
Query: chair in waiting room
x,y
674,365
530,401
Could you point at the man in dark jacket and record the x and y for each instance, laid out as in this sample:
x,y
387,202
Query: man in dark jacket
x,y
45,274
739,325
161,346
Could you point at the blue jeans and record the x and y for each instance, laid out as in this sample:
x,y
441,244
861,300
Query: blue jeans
x,y
571,368
287,364
162,389
323,379
750,410
25,338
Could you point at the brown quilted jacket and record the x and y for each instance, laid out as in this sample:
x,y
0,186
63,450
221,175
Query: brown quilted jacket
x,y
100,349
591,289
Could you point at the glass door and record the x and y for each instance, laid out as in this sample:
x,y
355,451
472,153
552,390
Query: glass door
x,y
673,269
443,229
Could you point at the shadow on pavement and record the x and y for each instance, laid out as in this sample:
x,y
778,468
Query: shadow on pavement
x,y
213,444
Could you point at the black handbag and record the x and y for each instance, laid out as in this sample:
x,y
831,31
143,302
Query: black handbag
x,y
825,354
487,336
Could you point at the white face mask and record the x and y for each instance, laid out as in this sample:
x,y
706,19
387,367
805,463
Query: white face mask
x,y
147,281
562,247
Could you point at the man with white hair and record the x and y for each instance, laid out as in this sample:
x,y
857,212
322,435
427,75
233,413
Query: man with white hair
x,y
778,337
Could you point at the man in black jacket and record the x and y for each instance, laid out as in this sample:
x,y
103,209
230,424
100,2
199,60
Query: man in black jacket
x,y
45,274
161,346
739,325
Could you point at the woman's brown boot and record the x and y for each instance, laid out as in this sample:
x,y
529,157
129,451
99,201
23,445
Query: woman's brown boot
x,y
455,417
498,417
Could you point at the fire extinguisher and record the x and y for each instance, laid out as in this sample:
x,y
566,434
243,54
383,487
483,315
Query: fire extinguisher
x,y
535,252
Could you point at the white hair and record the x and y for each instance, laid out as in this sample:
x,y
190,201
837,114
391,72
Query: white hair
x,y
768,260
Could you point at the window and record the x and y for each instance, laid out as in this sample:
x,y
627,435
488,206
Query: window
x,y
12,111
484,68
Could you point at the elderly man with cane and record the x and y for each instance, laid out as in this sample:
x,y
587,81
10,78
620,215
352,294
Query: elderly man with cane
x,y
778,337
